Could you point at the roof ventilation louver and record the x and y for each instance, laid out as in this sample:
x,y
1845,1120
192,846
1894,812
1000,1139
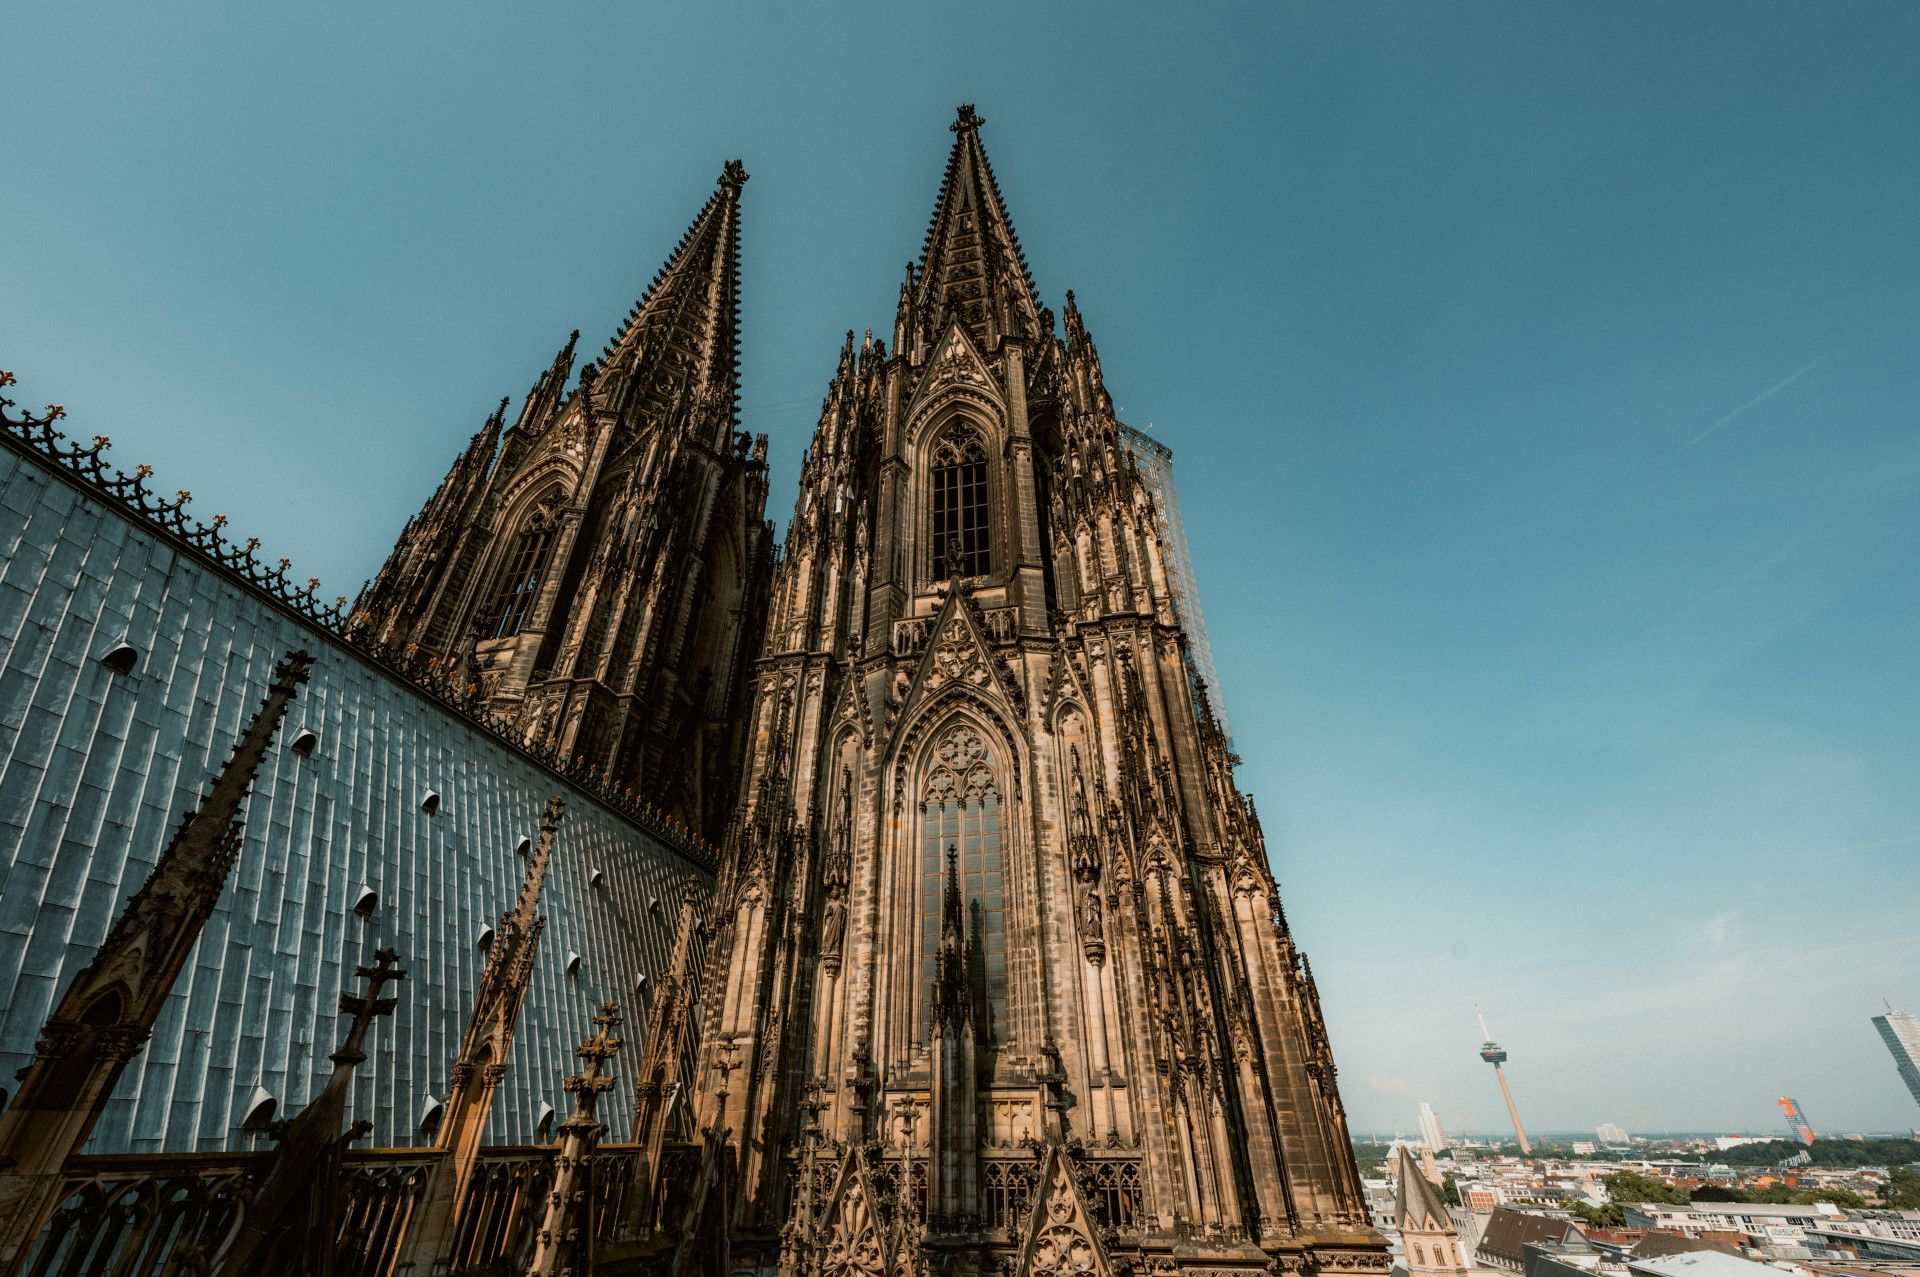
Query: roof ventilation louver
x,y
121,658
260,1108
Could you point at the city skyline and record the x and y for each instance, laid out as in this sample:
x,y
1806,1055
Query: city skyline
x,y
1547,479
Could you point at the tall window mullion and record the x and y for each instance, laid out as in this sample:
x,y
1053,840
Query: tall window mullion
x,y
959,526
521,582
962,810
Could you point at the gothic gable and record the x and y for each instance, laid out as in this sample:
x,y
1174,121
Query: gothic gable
x,y
1065,692
852,1243
853,713
958,665
1060,1236
956,370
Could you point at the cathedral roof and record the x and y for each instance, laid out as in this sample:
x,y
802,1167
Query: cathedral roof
x,y
971,264
684,332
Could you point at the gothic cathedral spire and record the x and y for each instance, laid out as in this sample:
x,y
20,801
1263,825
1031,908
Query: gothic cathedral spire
x,y
993,888
971,268
591,571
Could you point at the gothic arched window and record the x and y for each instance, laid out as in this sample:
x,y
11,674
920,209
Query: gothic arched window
x,y
959,489
526,565
960,807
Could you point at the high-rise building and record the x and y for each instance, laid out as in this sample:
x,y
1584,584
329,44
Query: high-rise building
x,y
992,888
1611,1133
1796,1119
1900,1030
1430,1130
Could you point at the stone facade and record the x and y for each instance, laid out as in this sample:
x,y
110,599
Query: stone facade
x,y
999,978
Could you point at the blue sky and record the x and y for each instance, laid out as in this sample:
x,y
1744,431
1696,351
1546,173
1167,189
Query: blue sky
x,y
1541,378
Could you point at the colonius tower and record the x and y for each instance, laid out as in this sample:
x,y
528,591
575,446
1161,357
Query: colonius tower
x,y
997,978
594,567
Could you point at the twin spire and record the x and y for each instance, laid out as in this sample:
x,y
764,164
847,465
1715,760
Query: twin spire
x,y
687,322
971,266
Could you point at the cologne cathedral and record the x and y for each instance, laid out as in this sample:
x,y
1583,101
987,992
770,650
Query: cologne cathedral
x,y
998,972
959,950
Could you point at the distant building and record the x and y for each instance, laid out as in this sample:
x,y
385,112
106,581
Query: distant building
x,y
1430,1129
1796,1119
1699,1263
1851,1241
1480,1198
1508,1233
1611,1133
1755,1219
1901,1032
1585,1148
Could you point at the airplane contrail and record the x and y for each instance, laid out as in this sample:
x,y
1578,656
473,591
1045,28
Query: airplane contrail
x,y
1763,396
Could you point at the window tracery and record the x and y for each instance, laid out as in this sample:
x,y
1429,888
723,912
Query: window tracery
x,y
526,566
959,532
960,807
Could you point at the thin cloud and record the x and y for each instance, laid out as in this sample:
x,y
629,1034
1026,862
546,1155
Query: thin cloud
x,y
1714,930
1388,1082
1758,399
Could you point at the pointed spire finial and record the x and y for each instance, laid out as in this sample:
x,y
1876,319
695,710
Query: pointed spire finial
x,y
967,120
733,175
953,913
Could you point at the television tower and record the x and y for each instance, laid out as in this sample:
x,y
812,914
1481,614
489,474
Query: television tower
x,y
1495,1054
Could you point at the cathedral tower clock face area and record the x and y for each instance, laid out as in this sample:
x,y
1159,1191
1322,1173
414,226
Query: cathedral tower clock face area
x,y
992,889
